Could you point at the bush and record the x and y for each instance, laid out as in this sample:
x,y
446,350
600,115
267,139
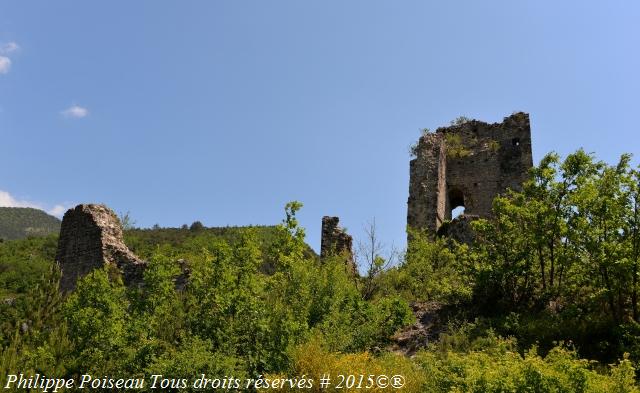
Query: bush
x,y
434,270
313,360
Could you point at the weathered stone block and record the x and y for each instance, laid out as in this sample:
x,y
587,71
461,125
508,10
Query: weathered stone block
x,y
91,237
335,241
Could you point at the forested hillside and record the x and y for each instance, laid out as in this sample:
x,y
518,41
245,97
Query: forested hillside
x,y
22,222
23,262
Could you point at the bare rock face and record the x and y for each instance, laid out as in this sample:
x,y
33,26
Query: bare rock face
x,y
427,328
335,241
90,238
468,165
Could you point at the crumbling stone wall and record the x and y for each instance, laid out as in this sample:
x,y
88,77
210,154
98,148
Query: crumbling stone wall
x,y
459,229
335,241
90,237
427,186
467,165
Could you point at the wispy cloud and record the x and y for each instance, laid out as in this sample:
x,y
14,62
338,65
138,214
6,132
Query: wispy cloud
x,y
8,200
5,64
9,47
75,112
5,61
58,210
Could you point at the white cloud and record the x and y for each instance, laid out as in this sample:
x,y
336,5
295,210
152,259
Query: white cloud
x,y
5,64
75,112
9,47
58,210
8,200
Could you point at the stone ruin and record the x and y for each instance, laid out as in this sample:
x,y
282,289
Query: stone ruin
x,y
90,238
467,165
335,241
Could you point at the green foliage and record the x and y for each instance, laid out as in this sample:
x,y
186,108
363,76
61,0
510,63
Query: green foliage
x,y
313,359
23,222
33,335
196,226
459,120
570,238
182,243
455,146
231,318
488,364
193,358
356,325
433,270
497,369
23,263
96,314
413,148
562,257
493,145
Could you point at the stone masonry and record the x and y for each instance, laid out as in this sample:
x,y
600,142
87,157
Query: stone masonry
x,y
468,165
91,237
335,241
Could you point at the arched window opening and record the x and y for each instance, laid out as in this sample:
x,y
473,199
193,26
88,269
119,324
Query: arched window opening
x,y
456,203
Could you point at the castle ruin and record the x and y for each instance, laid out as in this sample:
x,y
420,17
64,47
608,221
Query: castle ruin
x,y
468,165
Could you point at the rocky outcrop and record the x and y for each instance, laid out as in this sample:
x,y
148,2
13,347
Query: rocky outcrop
x,y
90,238
425,330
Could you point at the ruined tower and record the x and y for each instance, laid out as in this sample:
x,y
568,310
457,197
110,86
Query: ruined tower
x,y
90,237
467,165
335,241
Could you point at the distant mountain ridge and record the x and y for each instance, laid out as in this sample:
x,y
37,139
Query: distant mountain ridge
x,y
23,222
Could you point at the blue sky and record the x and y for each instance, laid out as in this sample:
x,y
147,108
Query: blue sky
x,y
222,111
